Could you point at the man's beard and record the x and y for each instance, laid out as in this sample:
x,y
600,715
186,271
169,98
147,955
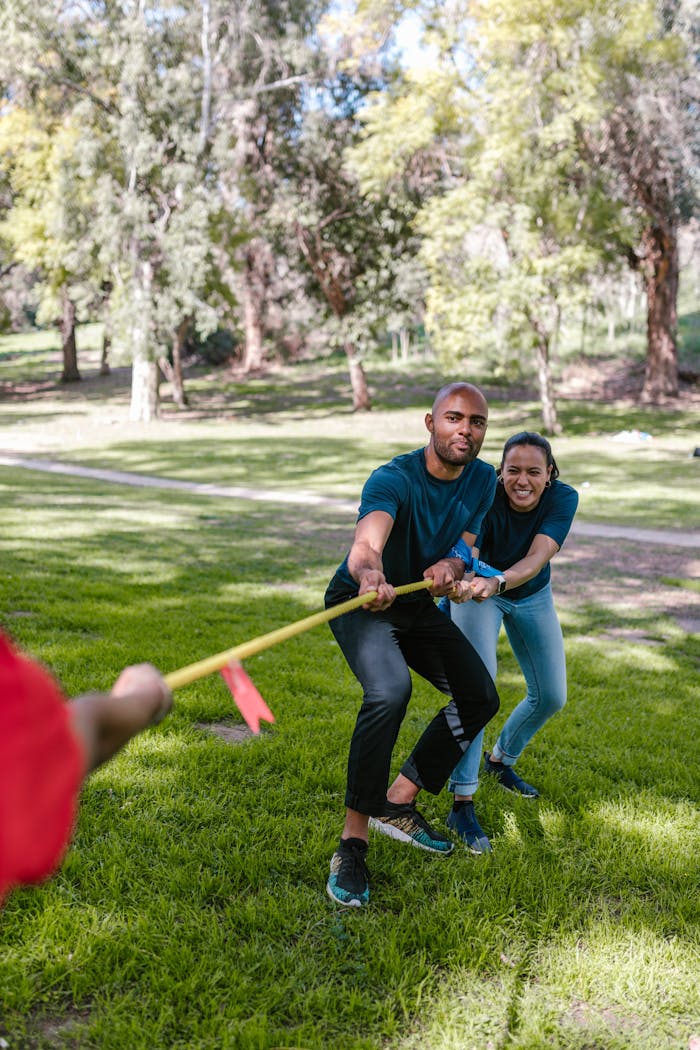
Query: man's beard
x,y
447,454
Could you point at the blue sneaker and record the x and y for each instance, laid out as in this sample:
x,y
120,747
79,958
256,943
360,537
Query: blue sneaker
x,y
463,821
405,823
348,882
509,779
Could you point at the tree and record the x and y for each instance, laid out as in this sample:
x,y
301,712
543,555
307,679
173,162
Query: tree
x,y
519,212
159,201
499,247
647,142
262,60
48,224
132,74
354,246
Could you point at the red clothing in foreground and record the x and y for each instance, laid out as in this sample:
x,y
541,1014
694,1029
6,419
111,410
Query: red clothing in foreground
x,y
41,771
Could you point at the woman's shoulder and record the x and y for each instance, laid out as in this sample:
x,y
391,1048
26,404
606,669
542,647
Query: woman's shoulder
x,y
564,493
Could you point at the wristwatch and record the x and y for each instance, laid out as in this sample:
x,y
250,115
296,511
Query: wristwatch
x,y
501,583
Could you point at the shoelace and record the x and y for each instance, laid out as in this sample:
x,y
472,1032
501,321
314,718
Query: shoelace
x,y
420,819
408,809
354,858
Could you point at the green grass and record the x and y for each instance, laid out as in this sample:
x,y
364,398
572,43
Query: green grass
x,y
190,911
32,354
688,585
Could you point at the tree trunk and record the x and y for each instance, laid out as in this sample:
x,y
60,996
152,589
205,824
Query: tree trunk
x,y
361,401
405,340
611,325
550,422
584,326
332,287
253,333
144,371
70,372
144,390
630,297
176,379
254,286
659,268
106,346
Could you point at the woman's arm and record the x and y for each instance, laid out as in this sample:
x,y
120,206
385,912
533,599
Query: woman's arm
x,y
542,550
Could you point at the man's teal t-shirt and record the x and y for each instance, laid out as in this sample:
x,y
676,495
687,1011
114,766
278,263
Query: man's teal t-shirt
x,y
429,514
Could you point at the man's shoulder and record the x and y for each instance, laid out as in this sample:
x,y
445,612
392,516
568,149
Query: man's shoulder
x,y
408,460
393,481
406,464
478,472
483,468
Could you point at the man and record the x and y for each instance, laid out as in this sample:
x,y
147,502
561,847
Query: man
x,y
413,510
47,746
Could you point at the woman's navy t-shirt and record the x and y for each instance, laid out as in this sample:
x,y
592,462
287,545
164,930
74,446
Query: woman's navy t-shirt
x,y
507,534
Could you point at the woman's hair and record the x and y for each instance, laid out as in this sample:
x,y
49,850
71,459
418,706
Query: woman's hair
x,y
531,437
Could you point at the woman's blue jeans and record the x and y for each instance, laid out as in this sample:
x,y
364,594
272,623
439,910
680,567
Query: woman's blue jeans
x,y
535,636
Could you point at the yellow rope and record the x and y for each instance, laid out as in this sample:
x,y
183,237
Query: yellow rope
x,y
256,645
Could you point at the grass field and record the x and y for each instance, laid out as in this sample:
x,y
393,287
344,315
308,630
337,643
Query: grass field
x,y
190,911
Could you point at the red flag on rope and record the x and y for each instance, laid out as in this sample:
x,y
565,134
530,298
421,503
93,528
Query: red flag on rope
x,y
246,697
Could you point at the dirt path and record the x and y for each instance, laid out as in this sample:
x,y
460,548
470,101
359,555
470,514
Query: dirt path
x,y
633,580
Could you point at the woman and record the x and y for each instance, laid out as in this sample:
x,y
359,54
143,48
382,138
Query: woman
x,y
528,522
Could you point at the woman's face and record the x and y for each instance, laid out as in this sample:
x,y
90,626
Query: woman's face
x,y
525,474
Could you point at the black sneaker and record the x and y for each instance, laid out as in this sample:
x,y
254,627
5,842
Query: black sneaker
x,y
509,779
405,823
462,820
348,882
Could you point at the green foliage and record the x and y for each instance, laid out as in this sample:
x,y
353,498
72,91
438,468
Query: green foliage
x,y
162,165
522,216
49,224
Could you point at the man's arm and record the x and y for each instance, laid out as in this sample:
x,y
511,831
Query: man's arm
x,y
365,558
446,572
104,722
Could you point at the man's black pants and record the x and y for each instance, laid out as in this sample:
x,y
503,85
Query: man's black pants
x,y
380,648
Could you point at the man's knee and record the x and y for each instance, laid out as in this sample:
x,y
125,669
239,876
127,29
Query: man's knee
x,y
388,702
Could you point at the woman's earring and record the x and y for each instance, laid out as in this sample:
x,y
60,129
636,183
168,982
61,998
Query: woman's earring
x,y
548,483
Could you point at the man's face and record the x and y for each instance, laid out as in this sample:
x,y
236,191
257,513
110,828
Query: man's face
x,y
458,427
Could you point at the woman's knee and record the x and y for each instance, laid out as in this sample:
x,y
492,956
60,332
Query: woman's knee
x,y
557,702
548,702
